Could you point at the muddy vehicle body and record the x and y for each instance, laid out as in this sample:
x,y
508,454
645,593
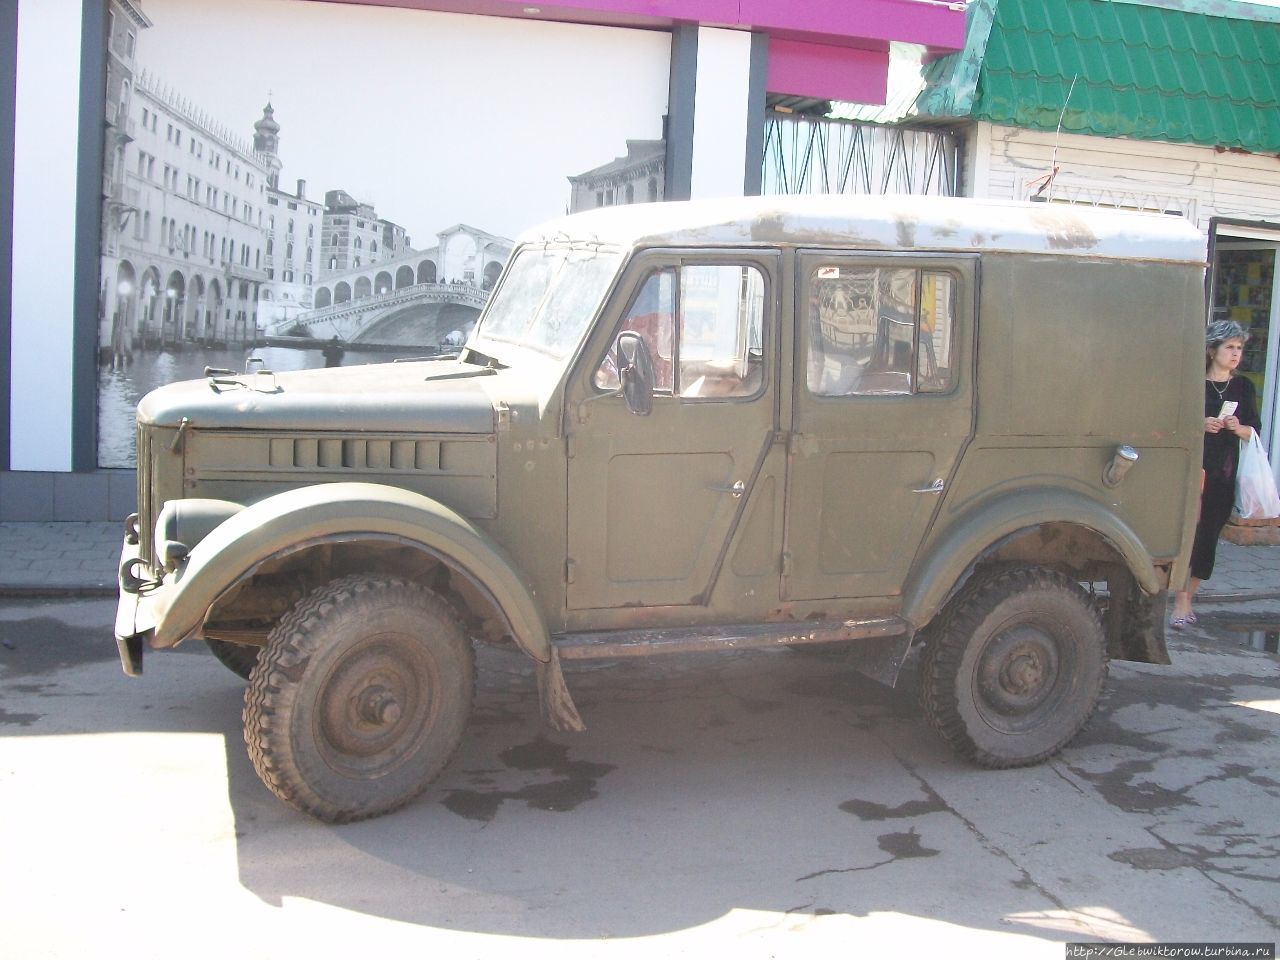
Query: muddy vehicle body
x,y
882,421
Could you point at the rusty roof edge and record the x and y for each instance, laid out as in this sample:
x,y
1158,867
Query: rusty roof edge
x,y
884,222
951,82
1231,9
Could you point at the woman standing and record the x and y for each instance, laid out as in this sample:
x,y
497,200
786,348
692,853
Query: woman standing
x,y
1224,348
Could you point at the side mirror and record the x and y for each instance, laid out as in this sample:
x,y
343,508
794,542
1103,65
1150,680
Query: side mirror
x,y
635,372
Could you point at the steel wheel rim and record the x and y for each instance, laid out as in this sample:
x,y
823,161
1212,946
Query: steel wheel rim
x,y
1019,677
376,706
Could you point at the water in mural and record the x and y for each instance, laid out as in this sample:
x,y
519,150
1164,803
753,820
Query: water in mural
x,y
236,212
120,390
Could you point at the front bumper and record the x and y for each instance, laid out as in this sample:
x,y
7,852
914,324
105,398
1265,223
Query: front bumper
x,y
135,618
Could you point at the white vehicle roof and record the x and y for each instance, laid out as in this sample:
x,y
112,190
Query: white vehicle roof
x,y
888,223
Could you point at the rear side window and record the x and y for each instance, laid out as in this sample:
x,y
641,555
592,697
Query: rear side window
x,y
877,331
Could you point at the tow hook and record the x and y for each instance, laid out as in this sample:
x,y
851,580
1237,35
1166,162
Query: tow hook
x,y
131,582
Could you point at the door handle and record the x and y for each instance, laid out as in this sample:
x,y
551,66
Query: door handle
x,y
936,487
737,489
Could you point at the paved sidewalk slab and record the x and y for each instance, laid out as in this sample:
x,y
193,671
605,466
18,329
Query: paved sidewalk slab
x,y
68,558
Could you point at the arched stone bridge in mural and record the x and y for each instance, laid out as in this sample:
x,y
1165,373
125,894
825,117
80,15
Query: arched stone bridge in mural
x,y
417,315
413,300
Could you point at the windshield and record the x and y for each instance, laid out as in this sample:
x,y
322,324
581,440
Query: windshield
x,y
548,297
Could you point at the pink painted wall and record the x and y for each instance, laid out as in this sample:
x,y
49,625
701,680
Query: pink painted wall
x,y
830,49
820,21
835,21
827,72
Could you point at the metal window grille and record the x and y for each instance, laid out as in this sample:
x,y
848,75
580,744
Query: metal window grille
x,y
815,155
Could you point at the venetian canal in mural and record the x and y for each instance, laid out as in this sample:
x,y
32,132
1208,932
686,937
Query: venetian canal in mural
x,y
240,219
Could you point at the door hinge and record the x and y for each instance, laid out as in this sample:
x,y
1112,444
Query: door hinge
x,y
786,563
571,446
570,571
503,413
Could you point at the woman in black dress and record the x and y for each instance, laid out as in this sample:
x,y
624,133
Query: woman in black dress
x,y
1224,348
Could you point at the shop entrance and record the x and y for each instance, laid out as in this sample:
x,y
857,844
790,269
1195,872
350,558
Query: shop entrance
x,y
1245,289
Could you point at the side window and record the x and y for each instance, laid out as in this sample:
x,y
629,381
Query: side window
x,y
880,330
653,316
703,324
721,313
937,322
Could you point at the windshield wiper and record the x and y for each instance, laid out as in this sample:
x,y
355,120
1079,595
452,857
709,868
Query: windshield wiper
x,y
472,355
463,374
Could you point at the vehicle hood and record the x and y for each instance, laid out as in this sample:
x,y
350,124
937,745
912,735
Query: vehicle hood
x,y
440,396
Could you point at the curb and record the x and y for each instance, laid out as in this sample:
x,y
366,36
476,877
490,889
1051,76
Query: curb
x,y
26,591
1236,597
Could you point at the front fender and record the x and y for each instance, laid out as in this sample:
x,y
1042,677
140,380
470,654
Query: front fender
x,y
986,525
341,511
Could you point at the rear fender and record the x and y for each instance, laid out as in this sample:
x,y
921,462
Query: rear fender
x,y
982,529
341,512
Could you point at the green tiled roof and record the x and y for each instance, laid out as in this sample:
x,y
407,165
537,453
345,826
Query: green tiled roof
x,y
1205,73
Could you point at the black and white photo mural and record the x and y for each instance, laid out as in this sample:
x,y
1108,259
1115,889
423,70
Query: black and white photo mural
x,y
300,181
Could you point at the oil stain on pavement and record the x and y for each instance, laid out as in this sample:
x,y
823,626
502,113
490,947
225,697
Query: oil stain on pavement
x,y
574,782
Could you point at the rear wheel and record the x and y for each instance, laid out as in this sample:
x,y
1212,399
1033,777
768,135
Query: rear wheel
x,y
360,697
1014,667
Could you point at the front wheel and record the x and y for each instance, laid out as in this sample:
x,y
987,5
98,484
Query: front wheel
x,y
239,658
359,698
1014,667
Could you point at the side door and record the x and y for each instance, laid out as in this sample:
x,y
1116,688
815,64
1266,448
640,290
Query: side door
x,y
654,501
883,409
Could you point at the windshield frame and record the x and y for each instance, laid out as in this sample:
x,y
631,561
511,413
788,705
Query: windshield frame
x,y
484,341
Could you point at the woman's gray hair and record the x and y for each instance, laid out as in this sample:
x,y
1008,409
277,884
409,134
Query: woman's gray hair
x,y
1220,331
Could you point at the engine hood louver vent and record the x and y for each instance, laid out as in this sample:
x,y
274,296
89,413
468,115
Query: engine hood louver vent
x,y
458,470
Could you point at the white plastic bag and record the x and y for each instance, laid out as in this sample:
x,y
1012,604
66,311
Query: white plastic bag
x,y
1256,497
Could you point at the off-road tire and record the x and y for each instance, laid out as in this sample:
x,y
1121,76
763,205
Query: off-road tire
x,y
1014,667
359,698
239,658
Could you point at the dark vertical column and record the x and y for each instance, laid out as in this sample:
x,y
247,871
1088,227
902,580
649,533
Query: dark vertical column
x,y
681,95
753,175
8,106
88,252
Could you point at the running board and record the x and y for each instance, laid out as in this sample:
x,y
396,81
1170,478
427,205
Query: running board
x,y
613,644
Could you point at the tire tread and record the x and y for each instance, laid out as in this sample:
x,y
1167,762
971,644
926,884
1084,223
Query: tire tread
x,y
273,686
946,642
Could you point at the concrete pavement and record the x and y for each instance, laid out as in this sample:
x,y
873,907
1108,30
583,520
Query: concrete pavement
x,y
80,559
768,805
754,804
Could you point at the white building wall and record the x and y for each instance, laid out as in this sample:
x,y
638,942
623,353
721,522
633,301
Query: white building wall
x,y
45,154
720,113
1198,182
41,381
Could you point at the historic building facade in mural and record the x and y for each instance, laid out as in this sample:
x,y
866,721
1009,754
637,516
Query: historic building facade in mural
x,y
635,178
207,258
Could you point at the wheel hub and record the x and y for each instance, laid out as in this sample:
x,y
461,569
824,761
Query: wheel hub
x,y
1022,673
375,705
1018,670
378,705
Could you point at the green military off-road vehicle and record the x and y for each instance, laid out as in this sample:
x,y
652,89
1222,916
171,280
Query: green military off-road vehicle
x,y
884,421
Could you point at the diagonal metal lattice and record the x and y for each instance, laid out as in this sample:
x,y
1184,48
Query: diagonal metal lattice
x,y
816,155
